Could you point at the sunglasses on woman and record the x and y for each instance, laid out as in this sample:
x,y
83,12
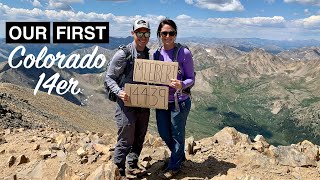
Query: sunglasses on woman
x,y
145,34
171,33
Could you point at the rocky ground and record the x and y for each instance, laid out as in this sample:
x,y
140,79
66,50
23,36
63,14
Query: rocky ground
x,y
46,153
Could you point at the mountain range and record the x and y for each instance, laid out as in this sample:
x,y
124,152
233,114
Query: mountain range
x,y
247,44
253,89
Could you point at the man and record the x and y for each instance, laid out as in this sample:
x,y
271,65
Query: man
x,y
132,122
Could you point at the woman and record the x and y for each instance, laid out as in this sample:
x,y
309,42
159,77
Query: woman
x,y
171,123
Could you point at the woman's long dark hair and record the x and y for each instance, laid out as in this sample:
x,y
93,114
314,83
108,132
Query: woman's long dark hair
x,y
168,22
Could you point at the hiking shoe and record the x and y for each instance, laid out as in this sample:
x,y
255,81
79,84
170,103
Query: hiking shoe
x,y
168,174
122,178
122,171
136,171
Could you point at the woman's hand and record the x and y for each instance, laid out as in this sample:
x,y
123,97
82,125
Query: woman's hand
x,y
123,96
175,83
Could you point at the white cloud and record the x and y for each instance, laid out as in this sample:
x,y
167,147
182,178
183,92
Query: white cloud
x,y
309,2
8,13
276,27
59,6
262,27
217,5
312,22
183,17
189,1
276,21
306,12
62,4
36,3
55,4
119,25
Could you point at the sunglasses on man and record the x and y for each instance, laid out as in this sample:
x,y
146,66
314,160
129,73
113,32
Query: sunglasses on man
x,y
145,34
171,33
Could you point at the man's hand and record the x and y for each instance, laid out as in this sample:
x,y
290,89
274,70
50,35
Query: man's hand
x,y
123,96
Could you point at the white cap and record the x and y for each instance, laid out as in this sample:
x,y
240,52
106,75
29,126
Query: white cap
x,y
140,23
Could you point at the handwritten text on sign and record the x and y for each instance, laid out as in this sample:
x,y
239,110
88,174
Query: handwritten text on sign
x,y
157,72
148,96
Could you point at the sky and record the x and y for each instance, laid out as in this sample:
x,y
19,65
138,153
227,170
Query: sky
x,y
266,19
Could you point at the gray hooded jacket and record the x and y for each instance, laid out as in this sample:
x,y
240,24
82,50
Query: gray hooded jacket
x,y
121,67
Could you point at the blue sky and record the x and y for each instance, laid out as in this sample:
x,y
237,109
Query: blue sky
x,y
267,19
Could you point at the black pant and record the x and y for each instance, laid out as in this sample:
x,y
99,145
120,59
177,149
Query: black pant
x,y
132,123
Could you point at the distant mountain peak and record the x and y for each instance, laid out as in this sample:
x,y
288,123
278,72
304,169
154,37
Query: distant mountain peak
x,y
306,53
258,62
258,50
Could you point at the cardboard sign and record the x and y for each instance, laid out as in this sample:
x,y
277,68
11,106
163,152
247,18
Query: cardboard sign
x,y
157,72
148,96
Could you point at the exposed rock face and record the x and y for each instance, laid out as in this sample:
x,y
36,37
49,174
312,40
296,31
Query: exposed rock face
x,y
65,172
292,156
230,136
303,154
277,106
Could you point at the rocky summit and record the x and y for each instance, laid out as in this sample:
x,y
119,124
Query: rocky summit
x,y
48,153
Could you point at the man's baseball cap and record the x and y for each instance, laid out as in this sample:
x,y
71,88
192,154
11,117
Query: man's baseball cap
x,y
140,23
